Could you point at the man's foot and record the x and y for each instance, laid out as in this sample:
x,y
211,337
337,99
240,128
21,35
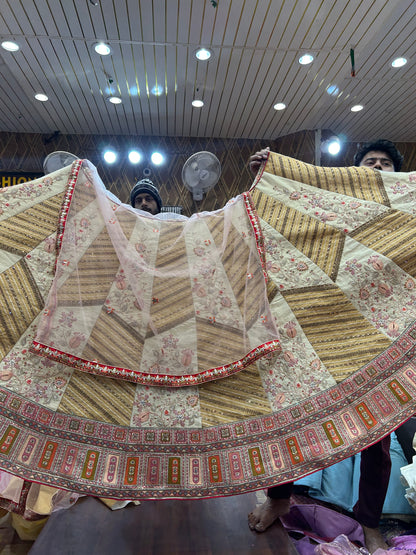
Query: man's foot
x,y
373,539
264,515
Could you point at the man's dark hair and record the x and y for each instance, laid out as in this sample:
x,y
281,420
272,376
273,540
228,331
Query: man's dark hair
x,y
382,145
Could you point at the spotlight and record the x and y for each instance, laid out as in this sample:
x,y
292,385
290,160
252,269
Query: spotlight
x,y
279,106
197,103
110,156
157,158
357,108
334,147
134,156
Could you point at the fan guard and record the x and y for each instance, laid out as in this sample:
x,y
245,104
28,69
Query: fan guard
x,y
58,160
201,173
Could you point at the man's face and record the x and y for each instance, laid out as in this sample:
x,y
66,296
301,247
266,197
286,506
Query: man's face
x,y
378,160
145,201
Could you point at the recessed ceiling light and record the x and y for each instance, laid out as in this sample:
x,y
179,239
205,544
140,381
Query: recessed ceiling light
x,y
10,46
306,59
279,106
203,54
333,90
357,108
399,62
157,90
197,103
102,48
42,97
114,99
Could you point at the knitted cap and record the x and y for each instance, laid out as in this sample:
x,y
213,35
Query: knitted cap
x,y
145,186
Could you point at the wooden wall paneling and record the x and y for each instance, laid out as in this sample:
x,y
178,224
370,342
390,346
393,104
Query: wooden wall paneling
x,y
26,152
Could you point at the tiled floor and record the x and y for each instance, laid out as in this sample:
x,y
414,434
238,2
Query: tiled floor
x,y
11,544
216,526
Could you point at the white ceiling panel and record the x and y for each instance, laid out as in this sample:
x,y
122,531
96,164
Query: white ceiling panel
x,y
256,45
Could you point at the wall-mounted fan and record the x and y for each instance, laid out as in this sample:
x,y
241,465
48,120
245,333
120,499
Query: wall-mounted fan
x,y
201,173
57,160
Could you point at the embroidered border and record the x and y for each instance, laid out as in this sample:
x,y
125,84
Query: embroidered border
x,y
144,378
63,215
258,233
98,458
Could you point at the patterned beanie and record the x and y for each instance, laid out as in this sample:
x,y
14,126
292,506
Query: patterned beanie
x,y
145,186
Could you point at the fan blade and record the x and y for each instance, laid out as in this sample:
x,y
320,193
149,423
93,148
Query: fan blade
x,y
205,162
211,179
204,175
191,178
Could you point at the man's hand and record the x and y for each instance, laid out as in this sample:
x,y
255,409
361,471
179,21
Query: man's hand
x,y
257,159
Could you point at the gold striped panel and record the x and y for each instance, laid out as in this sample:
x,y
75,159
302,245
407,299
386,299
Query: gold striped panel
x,y
352,181
127,223
234,398
238,264
218,342
112,341
82,195
172,296
343,339
272,289
400,229
23,232
321,243
101,399
90,282
20,303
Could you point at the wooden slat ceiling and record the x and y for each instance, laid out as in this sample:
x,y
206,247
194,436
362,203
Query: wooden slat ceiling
x,y
256,45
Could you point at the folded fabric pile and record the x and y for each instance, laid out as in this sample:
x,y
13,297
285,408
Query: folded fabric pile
x,y
342,546
408,479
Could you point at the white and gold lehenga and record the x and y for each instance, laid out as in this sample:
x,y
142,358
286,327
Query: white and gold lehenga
x,y
215,355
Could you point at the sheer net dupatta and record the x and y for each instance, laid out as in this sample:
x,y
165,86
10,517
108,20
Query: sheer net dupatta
x,y
158,302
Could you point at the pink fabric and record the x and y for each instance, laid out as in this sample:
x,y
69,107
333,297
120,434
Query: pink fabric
x,y
405,542
117,268
340,546
321,523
